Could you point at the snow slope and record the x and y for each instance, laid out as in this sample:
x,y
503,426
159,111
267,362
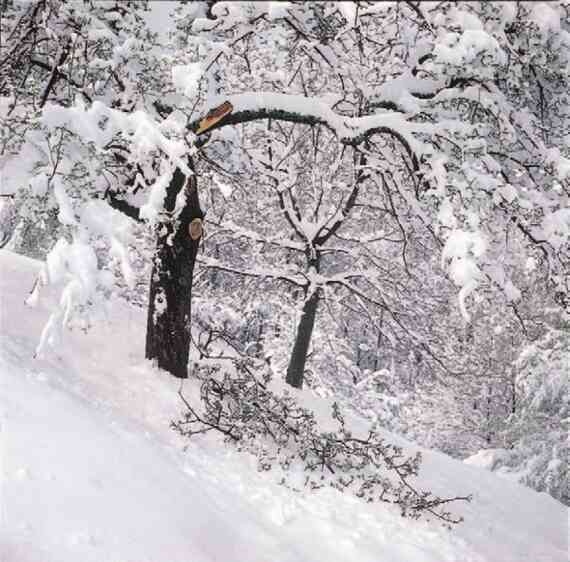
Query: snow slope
x,y
92,472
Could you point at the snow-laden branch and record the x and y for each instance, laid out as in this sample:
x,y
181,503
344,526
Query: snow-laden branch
x,y
254,106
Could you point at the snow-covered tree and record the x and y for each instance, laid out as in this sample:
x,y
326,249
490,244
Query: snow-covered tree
x,y
458,108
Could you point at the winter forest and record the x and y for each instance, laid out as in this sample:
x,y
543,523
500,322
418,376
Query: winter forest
x,y
284,281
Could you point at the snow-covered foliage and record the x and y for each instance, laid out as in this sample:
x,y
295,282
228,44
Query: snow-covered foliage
x,y
536,436
242,406
69,72
462,91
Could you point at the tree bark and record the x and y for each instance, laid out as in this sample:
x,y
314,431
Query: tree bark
x,y
296,368
168,319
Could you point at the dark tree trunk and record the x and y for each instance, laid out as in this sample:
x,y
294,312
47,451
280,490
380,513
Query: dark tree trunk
x,y
168,320
296,369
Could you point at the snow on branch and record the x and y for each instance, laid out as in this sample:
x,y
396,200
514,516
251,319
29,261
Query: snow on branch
x,y
254,106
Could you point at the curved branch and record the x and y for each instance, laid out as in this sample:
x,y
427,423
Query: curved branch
x,y
353,131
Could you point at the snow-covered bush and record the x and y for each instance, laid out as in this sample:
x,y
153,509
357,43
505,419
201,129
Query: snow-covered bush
x,y
272,425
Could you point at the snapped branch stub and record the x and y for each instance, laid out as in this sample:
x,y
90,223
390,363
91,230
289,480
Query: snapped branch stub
x,y
214,116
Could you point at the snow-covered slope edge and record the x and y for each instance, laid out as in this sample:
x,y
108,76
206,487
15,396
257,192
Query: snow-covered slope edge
x,y
91,471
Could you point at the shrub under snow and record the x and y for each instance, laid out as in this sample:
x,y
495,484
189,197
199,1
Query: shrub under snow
x,y
279,431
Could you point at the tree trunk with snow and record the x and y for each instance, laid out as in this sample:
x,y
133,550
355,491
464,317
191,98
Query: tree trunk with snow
x,y
296,368
168,319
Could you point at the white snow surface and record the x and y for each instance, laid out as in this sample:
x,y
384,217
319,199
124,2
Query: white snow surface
x,y
91,471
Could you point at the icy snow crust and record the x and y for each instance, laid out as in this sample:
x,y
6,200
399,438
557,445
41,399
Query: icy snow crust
x,y
92,473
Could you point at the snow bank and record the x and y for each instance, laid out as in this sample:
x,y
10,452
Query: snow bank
x,y
92,472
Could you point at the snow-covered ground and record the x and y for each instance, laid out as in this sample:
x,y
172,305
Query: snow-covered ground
x,y
92,472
